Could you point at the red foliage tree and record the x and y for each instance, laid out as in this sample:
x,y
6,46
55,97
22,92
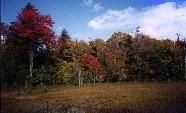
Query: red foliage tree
x,y
91,63
35,28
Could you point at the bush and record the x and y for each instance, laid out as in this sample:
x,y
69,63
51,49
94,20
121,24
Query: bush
x,y
28,88
44,89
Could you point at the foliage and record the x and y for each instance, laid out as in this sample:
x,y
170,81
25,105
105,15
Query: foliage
x,y
61,60
37,28
46,75
91,63
44,89
28,88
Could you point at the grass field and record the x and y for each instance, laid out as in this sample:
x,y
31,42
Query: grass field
x,y
100,98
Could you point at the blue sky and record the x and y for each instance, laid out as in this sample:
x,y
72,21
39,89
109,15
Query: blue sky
x,y
85,19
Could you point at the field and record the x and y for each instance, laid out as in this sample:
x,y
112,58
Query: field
x,y
100,98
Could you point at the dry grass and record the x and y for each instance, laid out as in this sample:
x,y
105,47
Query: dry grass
x,y
95,98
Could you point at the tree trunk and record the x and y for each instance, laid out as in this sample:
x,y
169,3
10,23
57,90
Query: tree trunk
x,y
139,68
79,75
2,80
41,82
185,65
181,62
31,55
94,80
81,81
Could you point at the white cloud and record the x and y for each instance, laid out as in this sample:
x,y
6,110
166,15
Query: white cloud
x,y
88,2
113,19
161,21
77,35
94,6
60,28
97,7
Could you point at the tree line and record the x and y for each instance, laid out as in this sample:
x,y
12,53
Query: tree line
x,y
31,51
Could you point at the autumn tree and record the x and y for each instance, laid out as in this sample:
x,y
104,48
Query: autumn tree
x,y
92,64
35,29
165,52
78,50
125,43
181,57
97,49
118,48
64,46
114,58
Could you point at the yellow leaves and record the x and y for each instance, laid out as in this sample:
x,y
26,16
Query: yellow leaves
x,y
65,69
167,59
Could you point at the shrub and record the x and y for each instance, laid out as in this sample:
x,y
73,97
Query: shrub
x,y
28,88
44,89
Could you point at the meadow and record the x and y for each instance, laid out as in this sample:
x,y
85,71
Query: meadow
x,y
132,97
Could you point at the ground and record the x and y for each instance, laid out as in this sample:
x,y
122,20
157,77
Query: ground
x,y
154,97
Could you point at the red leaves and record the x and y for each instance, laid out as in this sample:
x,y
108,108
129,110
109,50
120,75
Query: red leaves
x,y
28,15
91,62
30,24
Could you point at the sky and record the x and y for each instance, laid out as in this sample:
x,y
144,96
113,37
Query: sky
x,y
90,19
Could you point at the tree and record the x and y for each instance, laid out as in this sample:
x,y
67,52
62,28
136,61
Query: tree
x,y
91,63
78,50
36,29
139,44
4,31
125,43
119,45
63,48
114,58
181,56
97,49
164,50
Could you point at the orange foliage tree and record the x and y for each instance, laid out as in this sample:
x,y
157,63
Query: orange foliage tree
x,y
91,63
